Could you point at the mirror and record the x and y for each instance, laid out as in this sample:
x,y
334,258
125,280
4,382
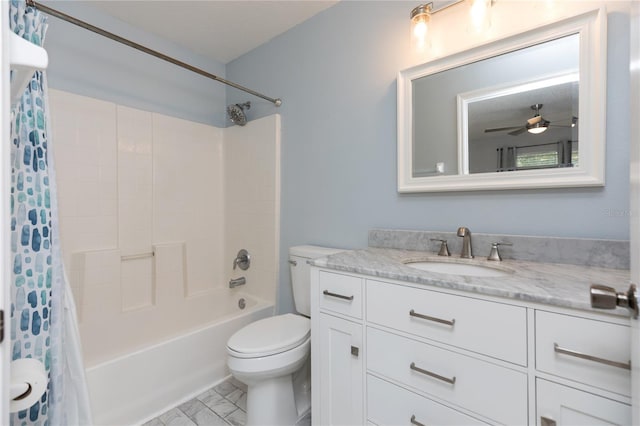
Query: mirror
x,y
522,112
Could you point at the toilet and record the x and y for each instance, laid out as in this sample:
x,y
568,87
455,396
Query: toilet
x,y
271,356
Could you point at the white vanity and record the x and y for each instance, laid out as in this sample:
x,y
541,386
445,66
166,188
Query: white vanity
x,y
396,345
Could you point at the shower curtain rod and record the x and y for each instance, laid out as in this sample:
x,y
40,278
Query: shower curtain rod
x,y
53,12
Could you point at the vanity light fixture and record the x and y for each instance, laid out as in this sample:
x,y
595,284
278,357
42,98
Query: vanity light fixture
x,y
479,11
420,17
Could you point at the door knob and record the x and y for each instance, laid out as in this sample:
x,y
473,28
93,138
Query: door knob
x,y
603,297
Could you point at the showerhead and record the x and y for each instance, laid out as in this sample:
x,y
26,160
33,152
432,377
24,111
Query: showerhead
x,y
236,113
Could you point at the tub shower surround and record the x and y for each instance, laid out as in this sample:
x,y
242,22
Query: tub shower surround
x,y
151,218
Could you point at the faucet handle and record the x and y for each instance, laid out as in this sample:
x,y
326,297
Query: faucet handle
x,y
495,253
444,248
243,260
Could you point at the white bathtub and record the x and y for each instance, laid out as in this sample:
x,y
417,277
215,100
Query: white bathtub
x,y
136,387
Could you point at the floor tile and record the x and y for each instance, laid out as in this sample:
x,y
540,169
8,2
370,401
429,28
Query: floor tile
x,y
235,396
237,418
222,405
225,388
242,402
305,421
219,405
154,422
237,383
206,417
175,417
191,407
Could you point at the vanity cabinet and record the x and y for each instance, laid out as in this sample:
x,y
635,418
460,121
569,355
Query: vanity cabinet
x,y
559,405
592,352
432,355
338,374
341,363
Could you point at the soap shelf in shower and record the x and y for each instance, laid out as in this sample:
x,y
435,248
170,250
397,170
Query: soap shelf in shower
x,y
25,58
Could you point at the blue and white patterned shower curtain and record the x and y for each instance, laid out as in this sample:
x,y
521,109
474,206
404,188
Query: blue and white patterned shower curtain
x,y
42,312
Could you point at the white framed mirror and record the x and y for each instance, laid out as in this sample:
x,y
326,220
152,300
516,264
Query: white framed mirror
x,y
527,111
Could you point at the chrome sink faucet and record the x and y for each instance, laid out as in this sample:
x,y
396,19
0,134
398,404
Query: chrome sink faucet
x,y
467,250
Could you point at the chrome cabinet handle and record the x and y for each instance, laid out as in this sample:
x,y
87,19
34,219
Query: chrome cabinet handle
x,y
434,375
339,296
293,262
560,350
415,422
428,318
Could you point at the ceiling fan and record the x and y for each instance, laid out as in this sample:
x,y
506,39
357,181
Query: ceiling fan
x,y
535,124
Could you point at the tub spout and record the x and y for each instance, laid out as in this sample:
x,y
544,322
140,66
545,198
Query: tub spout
x,y
233,283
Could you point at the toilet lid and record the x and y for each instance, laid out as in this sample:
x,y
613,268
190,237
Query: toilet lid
x,y
271,335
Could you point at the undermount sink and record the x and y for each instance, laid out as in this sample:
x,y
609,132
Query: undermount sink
x,y
453,268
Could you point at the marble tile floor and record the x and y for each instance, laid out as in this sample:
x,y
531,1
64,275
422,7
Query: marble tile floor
x,y
224,404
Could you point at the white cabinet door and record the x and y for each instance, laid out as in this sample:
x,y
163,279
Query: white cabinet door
x,y
559,405
341,372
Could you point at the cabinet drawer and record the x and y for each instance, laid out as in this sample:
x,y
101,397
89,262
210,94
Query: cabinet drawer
x,y
494,329
341,293
495,392
568,406
388,404
557,333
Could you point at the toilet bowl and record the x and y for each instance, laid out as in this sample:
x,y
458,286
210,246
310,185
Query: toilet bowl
x,y
264,355
271,356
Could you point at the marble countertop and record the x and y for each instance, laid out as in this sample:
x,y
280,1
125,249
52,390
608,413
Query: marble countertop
x,y
555,284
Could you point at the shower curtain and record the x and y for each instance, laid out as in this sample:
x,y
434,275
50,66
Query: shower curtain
x,y
43,317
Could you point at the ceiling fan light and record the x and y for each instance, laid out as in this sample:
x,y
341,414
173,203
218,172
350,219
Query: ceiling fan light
x,y
537,129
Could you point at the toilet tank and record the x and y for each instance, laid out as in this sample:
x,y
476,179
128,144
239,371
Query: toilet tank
x,y
300,273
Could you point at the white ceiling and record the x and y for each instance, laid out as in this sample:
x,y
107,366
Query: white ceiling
x,y
217,29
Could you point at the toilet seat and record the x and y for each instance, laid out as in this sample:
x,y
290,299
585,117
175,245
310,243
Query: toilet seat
x,y
270,336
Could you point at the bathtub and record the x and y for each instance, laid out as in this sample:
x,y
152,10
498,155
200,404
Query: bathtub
x,y
138,386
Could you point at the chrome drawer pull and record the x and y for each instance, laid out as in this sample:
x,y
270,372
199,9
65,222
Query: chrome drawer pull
x,y
339,296
558,349
434,375
415,422
428,318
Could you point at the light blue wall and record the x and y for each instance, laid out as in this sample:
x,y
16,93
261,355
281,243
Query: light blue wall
x,y
88,64
336,74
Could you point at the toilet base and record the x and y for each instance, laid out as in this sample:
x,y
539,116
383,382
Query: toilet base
x,y
272,402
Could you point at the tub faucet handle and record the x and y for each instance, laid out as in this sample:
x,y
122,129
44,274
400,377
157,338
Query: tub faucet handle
x,y
243,260
444,248
495,253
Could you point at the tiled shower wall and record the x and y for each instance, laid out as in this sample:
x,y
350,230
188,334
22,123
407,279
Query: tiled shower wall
x,y
131,183
252,203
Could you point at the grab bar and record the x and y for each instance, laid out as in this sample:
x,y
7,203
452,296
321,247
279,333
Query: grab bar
x,y
137,256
